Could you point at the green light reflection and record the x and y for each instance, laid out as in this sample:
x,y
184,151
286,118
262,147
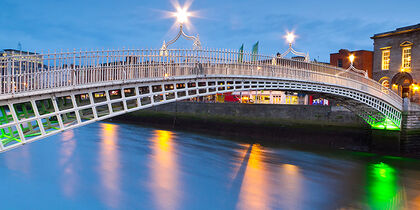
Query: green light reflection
x,y
383,189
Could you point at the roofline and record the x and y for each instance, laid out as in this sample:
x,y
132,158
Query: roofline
x,y
352,51
21,51
395,32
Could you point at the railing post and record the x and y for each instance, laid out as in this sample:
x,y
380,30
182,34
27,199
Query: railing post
x,y
13,84
9,72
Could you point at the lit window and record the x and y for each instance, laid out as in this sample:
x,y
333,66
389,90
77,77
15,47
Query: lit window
x,y
406,57
385,59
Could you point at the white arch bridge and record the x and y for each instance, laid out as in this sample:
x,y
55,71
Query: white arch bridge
x,y
43,94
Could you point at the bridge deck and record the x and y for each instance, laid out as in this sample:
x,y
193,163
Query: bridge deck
x,y
42,94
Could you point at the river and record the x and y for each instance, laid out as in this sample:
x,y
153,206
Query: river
x,y
122,166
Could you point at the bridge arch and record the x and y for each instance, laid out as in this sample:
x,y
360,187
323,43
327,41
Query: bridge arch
x,y
42,116
83,94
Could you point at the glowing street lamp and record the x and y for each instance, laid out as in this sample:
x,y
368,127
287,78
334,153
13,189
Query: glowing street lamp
x,y
415,87
351,67
181,16
290,37
351,58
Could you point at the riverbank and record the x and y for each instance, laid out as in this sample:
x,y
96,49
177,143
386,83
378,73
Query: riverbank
x,y
317,126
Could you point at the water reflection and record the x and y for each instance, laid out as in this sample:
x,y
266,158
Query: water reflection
x,y
416,203
290,187
164,171
69,178
383,191
255,188
80,170
19,161
109,164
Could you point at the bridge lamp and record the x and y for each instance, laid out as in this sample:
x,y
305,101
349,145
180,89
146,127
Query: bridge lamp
x,y
182,15
290,37
351,58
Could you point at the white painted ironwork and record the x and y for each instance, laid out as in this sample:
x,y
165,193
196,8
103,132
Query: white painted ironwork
x,y
290,37
293,51
44,94
195,39
352,68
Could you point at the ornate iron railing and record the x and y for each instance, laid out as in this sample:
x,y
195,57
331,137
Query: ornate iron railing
x,y
25,73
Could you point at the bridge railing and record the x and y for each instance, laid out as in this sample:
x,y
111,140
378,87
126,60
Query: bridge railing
x,y
25,73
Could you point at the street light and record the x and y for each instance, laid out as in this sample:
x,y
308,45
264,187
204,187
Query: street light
x,y
351,67
351,58
181,16
290,37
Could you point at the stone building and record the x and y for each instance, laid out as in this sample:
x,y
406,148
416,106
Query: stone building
x,y
362,60
14,63
396,60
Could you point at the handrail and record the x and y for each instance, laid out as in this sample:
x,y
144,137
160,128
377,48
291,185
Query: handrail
x,y
34,72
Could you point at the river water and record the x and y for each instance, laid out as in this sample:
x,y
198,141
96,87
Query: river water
x,y
123,166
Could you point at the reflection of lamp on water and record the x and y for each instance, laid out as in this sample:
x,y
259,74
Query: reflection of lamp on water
x,y
181,16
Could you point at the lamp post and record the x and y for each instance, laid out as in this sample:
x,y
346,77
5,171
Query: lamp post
x,y
290,37
351,58
352,68
181,18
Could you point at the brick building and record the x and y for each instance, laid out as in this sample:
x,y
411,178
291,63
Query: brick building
x,y
396,60
363,59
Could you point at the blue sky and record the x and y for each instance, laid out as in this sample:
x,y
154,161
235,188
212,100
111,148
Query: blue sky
x,y
322,27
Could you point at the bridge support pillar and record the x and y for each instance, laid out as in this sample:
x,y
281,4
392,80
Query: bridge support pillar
x,y
410,116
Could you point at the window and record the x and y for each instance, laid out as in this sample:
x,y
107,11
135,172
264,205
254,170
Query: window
x,y
385,59
340,63
406,57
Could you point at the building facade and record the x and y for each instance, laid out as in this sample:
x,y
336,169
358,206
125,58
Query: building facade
x,y
16,65
396,60
363,60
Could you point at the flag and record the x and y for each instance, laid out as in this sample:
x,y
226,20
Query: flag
x,y
255,51
241,54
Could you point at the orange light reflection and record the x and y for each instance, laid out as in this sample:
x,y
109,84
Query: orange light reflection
x,y
254,191
290,181
109,164
164,171
416,203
